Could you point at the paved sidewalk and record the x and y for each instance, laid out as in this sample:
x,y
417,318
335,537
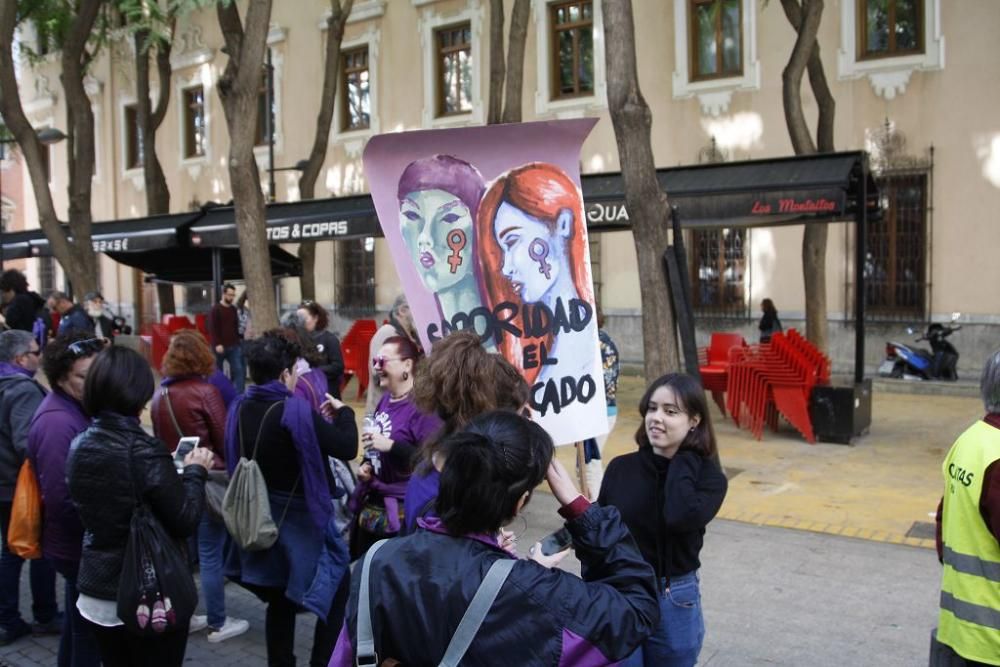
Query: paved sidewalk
x,y
884,487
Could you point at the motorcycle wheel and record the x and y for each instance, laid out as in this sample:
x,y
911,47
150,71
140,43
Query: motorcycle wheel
x,y
897,371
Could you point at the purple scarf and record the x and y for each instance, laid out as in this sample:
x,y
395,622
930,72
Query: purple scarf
x,y
7,368
297,420
391,493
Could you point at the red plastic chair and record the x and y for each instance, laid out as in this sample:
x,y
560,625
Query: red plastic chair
x,y
715,369
354,348
774,379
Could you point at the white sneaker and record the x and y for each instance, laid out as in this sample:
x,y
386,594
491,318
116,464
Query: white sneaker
x,y
198,623
233,627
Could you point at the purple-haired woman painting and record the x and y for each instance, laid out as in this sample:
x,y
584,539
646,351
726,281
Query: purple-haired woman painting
x,y
438,200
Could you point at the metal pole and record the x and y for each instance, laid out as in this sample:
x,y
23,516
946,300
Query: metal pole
x,y
687,321
217,274
861,234
269,127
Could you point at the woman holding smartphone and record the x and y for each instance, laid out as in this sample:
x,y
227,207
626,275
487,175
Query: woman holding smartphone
x,y
420,585
667,492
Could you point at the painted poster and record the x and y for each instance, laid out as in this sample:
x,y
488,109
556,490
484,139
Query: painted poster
x,y
487,231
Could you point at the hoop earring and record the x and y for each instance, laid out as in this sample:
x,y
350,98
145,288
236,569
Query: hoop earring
x,y
524,529
406,376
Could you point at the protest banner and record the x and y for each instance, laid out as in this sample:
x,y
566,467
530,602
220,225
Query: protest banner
x,y
487,231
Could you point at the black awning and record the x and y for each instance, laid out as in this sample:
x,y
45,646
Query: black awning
x,y
294,222
790,190
194,265
118,236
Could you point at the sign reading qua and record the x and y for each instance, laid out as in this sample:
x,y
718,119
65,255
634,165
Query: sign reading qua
x,y
487,230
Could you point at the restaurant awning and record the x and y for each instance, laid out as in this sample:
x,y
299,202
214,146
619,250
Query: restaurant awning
x,y
753,193
294,222
194,265
121,236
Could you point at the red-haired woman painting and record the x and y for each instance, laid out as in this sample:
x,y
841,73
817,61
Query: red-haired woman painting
x,y
533,242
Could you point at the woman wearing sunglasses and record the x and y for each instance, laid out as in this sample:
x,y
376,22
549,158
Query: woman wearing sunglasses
x,y
58,420
391,438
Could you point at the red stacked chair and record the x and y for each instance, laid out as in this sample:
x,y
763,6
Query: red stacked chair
x,y
354,347
713,364
776,379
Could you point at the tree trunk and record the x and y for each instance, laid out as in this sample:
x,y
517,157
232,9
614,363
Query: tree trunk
x,y
514,88
307,283
324,119
245,46
149,120
645,201
77,259
497,66
805,17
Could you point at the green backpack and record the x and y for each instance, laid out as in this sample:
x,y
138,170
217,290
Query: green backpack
x,y
246,507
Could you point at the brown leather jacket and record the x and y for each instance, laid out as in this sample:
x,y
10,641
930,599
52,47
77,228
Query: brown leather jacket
x,y
199,410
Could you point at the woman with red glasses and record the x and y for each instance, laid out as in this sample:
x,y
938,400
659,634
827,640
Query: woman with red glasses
x,y
391,438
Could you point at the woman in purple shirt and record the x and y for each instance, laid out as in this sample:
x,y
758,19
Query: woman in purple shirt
x,y
391,438
58,420
458,382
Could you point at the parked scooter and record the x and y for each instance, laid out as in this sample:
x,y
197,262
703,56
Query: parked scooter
x,y
909,362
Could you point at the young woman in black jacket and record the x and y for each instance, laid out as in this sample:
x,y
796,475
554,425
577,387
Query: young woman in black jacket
x,y
667,492
109,464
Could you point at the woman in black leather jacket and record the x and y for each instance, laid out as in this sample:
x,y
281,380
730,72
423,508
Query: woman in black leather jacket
x,y
117,389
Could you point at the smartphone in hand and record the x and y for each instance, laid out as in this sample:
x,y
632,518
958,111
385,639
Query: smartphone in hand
x,y
556,542
184,447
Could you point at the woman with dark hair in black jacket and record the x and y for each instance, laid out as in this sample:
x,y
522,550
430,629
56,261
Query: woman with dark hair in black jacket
x,y
315,320
667,492
422,584
109,464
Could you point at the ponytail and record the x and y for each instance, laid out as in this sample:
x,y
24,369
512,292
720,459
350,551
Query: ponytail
x,y
489,467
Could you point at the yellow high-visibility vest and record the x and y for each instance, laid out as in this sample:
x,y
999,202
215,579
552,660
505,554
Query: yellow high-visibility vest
x,y
969,620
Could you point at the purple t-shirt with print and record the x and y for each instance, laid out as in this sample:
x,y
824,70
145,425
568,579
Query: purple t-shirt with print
x,y
408,428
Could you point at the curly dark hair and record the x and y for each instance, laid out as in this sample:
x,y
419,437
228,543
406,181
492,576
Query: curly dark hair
x,y
188,354
460,380
13,280
296,333
57,360
270,354
317,311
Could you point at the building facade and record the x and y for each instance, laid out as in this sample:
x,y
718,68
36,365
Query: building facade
x,y
711,72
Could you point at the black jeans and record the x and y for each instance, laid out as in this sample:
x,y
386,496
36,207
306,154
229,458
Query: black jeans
x,y
77,646
120,648
43,583
279,627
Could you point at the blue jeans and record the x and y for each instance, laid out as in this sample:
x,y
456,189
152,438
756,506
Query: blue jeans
x,y
212,537
77,646
43,583
677,640
237,371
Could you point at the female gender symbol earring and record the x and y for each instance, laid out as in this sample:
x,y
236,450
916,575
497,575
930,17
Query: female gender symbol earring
x,y
456,241
538,250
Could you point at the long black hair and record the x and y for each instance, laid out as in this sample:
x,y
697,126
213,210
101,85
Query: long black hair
x,y
691,399
489,466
